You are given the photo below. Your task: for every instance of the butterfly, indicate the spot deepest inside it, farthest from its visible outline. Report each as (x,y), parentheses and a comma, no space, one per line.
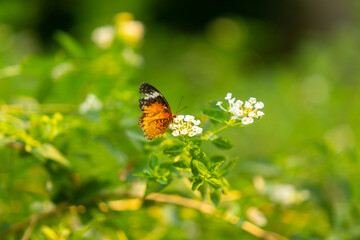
(157,115)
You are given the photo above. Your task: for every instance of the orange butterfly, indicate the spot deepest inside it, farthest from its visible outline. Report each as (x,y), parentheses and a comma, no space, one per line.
(157,115)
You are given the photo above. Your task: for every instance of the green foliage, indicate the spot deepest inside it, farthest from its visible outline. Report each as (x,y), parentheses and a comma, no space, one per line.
(222,143)
(215,114)
(75,164)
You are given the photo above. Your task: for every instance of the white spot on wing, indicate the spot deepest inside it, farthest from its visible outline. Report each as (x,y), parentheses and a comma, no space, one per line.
(152,95)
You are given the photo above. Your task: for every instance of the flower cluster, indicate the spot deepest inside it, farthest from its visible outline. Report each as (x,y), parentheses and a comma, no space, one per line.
(246,112)
(185,125)
(130,31)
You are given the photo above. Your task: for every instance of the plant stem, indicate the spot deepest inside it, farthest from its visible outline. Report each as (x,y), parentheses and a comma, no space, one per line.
(228,125)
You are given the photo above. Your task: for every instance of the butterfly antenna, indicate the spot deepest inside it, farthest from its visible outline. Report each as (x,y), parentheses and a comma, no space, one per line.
(182,97)
(182,109)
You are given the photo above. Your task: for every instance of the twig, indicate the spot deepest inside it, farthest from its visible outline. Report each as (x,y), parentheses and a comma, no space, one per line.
(33,219)
(135,203)
(209,209)
(30,228)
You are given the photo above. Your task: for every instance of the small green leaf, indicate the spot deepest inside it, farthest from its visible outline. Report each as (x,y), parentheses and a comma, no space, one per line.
(215,197)
(198,168)
(217,158)
(197,183)
(162,180)
(225,182)
(222,143)
(213,167)
(69,44)
(197,153)
(214,183)
(195,142)
(154,163)
(144,173)
(154,186)
(215,114)
(228,166)
(174,149)
(181,164)
(48,151)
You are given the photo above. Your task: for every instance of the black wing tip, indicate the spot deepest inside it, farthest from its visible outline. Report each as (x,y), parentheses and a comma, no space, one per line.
(144,86)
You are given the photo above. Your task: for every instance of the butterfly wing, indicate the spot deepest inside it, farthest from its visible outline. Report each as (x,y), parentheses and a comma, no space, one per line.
(156,116)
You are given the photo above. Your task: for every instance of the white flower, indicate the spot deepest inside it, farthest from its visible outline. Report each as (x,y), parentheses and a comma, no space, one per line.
(186,125)
(178,118)
(239,113)
(103,37)
(238,103)
(260,113)
(228,96)
(245,120)
(248,105)
(184,132)
(199,130)
(196,122)
(259,105)
(91,104)
(287,194)
(189,118)
(252,114)
(242,112)
(194,128)
(191,134)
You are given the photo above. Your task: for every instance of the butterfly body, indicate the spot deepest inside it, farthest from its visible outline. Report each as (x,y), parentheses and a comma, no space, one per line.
(157,115)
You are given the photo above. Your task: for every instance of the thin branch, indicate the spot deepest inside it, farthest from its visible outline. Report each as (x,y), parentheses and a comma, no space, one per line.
(135,203)
(30,228)
(33,219)
(209,209)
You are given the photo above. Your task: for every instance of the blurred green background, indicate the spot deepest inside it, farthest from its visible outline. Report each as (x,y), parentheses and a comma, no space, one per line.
(298,167)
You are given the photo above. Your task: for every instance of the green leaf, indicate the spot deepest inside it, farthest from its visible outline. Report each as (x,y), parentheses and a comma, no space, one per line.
(197,153)
(214,183)
(197,183)
(181,164)
(144,173)
(222,143)
(162,180)
(213,167)
(215,114)
(174,150)
(195,142)
(225,182)
(154,186)
(154,163)
(217,158)
(198,168)
(69,44)
(48,151)
(215,197)
(228,166)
